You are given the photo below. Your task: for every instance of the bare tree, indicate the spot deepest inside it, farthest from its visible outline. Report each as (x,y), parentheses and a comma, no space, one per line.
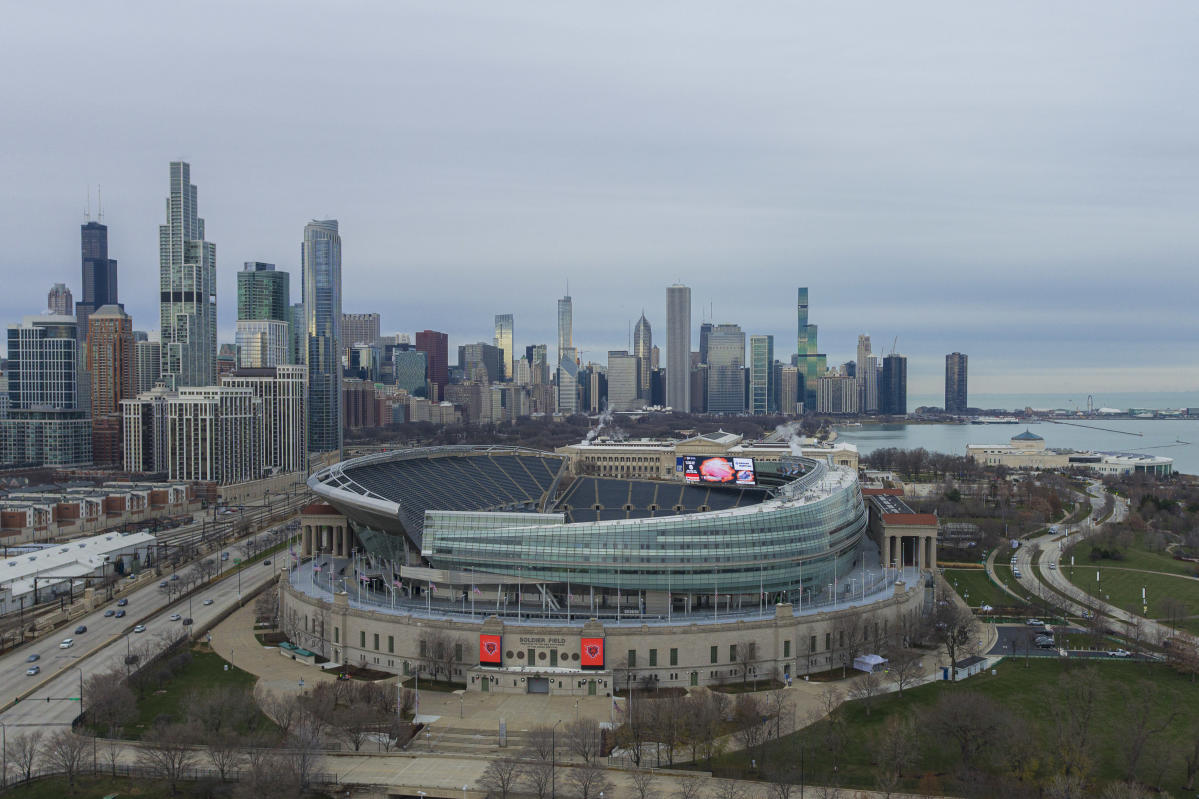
(865,688)
(168,753)
(747,716)
(63,752)
(303,752)
(643,784)
(538,776)
(206,569)
(690,788)
(1072,705)
(110,752)
(971,720)
(224,752)
(441,648)
(24,751)
(896,748)
(781,710)
(540,742)
(501,776)
(1141,723)
(728,789)
(747,656)
(583,739)
(266,606)
(953,628)
(110,702)
(1191,757)
(283,709)
(903,669)
(589,780)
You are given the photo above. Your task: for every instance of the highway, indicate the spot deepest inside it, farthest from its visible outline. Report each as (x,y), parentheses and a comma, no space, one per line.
(101,649)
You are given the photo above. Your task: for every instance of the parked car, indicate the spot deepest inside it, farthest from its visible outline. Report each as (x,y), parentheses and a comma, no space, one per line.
(67,643)
(122,603)
(33,670)
(80,630)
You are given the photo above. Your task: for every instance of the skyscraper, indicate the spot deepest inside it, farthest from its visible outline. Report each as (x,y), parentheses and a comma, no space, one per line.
(283,391)
(726,369)
(623,381)
(111,364)
(147,370)
(893,389)
(565,325)
(187,284)
(503,341)
(298,351)
(45,423)
(59,300)
(811,363)
(361,328)
(99,273)
(411,369)
(262,343)
(867,373)
(643,350)
(321,262)
(263,292)
(568,359)
(955,383)
(761,375)
(678,347)
(436,347)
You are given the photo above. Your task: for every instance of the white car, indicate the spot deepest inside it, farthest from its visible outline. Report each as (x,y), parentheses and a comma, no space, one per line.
(175,617)
(141,628)
(1035,623)
(1121,653)
(67,643)
(207,601)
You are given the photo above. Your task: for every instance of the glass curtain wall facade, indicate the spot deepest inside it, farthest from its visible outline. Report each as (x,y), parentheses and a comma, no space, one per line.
(678,347)
(761,375)
(321,259)
(503,341)
(726,369)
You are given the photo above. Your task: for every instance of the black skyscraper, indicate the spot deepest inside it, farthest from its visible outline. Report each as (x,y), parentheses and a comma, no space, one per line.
(99,273)
(893,387)
(955,383)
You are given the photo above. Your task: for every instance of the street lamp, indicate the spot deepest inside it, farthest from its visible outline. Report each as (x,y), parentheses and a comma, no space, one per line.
(554,760)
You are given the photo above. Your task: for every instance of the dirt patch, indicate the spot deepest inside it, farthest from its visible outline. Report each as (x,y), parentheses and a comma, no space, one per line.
(362,673)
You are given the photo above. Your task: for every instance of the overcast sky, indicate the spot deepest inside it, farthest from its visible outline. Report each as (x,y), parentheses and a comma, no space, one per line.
(1017,181)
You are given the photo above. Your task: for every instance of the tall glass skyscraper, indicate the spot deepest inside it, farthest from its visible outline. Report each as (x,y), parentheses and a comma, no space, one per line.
(187,286)
(320,256)
(761,375)
(811,363)
(726,369)
(643,349)
(263,292)
(678,347)
(99,273)
(955,383)
(568,359)
(893,389)
(503,340)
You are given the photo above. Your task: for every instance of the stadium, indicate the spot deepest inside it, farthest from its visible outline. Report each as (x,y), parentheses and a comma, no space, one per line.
(526,563)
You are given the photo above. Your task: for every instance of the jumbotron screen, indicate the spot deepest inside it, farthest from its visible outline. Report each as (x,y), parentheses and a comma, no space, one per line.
(718,469)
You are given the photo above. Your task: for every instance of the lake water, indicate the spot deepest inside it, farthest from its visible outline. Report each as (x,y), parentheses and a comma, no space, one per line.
(1072,402)
(1174,438)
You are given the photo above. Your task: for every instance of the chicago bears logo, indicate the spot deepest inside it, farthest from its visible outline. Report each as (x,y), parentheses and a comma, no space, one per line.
(592,650)
(491,648)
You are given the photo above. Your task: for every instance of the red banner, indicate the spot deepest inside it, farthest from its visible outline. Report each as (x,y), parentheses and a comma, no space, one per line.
(489,650)
(592,653)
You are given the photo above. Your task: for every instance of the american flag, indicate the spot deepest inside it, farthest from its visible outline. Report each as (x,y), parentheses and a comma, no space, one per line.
(316,568)
(618,710)
(475,589)
(396,583)
(364,578)
(433,587)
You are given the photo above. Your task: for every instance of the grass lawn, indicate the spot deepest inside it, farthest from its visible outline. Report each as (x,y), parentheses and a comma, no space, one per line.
(1003,573)
(981,591)
(1122,588)
(206,671)
(1134,558)
(1026,689)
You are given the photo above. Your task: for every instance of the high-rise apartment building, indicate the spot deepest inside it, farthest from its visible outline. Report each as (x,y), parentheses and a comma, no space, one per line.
(789,390)
(867,372)
(539,367)
(726,369)
(503,341)
(263,292)
(436,348)
(812,364)
(893,386)
(568,359)
(298,335)
(144,430)
(187,286)
(147,366)
(283,393)
(59,300)
(565,325)
(99,273)
(321,261)
(45,423)
(705,332)
(624,381)
(678,347)
(643,348)
(762,389)
(361,328)
(262,343)
(837,394)
(214,434)
(955,383)
(111,364)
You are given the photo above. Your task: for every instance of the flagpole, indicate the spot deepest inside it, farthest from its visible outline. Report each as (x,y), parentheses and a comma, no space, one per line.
(568,601)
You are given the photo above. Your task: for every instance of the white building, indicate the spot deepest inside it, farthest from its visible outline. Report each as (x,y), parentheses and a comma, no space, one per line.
(283,391)
(1027,451)
(214,435)
(624,381)
(59,569)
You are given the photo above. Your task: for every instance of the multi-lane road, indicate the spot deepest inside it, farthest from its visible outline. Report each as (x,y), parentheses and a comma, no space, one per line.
(108,640)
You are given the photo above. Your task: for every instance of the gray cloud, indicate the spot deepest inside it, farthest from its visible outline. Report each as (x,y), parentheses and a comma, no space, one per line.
(1017,181)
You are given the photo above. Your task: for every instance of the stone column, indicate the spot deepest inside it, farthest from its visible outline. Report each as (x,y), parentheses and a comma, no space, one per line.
(919,542)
